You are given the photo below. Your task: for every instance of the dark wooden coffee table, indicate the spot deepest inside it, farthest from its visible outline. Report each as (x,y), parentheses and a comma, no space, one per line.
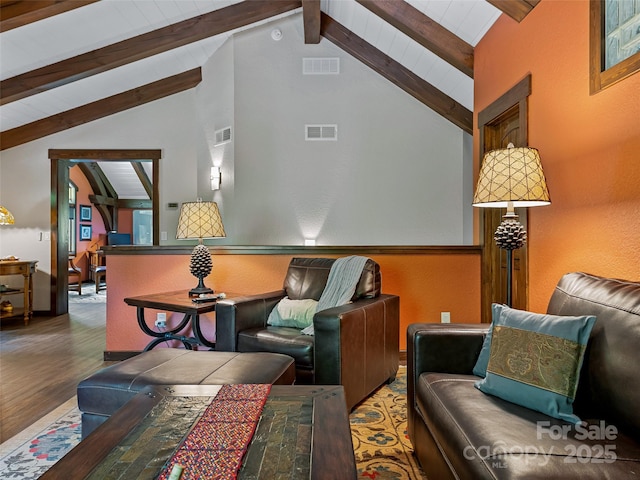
(318,446)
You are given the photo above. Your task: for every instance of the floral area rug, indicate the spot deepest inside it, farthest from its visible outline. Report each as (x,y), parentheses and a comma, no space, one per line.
(30,453)
(89,295)
(378,430)
(379,434)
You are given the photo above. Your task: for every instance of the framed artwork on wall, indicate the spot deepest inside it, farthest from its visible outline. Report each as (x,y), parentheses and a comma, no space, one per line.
(85,232)
(614,41)
(85,213)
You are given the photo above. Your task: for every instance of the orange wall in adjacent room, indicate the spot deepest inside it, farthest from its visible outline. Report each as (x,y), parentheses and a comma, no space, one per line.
(427,285)
(589,144)
(97,225)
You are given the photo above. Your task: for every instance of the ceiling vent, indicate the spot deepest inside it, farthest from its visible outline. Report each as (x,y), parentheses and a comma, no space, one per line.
(320,66)
(321,132)
(223,136)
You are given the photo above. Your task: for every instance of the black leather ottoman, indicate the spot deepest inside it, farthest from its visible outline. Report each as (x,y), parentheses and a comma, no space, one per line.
(104,392)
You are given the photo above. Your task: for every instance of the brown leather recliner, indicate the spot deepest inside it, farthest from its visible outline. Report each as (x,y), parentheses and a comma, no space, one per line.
(355,345)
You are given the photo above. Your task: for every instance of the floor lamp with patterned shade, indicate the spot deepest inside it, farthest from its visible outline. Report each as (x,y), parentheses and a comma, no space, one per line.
(511,177)
(200,220)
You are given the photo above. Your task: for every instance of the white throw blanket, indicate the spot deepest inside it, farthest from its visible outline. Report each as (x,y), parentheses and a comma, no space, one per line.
(341,284)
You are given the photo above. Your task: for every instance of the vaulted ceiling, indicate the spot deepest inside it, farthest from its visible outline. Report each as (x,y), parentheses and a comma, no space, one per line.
(64,63)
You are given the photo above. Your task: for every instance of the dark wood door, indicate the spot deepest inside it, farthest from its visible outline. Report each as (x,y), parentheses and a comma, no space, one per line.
(503,122)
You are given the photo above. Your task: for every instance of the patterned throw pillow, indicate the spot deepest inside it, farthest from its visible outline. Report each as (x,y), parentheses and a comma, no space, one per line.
(535,360)
(293,313)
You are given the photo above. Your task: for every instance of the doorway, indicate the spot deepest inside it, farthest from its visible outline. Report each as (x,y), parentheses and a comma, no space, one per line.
(60,163)
(501,123)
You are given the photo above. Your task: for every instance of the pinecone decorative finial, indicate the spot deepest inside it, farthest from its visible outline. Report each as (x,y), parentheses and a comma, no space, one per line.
(201,264)
(510,234)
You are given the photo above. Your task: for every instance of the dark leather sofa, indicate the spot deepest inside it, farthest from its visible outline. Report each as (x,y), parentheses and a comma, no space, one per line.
(355,345)
(459,432)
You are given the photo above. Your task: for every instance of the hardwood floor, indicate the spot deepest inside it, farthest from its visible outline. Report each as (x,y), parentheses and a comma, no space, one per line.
(42,363)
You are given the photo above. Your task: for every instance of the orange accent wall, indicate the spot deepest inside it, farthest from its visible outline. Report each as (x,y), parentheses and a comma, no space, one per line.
(589,145)
(427,285)
(97,225)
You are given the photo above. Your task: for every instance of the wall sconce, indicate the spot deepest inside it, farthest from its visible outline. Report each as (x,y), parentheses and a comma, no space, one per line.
(216,178)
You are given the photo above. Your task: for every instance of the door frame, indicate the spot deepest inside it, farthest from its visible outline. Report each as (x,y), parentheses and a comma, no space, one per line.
(514,99)
(61,159)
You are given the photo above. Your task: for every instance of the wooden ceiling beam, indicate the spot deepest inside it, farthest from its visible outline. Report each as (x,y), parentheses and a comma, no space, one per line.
(397,74)
(143,177)
(16,13)
(135,203)
(311,21)
(143,46)
(516,9)
(427,32)
(99,109)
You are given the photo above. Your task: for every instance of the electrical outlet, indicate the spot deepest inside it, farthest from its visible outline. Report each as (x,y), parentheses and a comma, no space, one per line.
(445,317)
(161,320)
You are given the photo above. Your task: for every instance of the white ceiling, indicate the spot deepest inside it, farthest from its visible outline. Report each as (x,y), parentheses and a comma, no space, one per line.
(124,179)
(108,21)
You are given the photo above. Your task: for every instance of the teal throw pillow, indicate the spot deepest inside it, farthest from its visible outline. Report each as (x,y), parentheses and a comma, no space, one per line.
(535,360)
(480,368)
(293,313)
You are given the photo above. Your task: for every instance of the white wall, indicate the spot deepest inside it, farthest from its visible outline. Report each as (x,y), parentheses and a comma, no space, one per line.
(394,177)
(25,185)
(399,174)
(215,107)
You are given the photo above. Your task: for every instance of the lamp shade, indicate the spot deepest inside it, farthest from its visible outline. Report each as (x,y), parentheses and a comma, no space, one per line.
(5,217)
(512,174)
(200,220)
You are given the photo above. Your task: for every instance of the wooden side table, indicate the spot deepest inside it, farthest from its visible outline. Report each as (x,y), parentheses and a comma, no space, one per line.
(180,302)
(26,268)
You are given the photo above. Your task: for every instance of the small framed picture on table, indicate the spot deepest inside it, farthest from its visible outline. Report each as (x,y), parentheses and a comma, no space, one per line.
(85,232)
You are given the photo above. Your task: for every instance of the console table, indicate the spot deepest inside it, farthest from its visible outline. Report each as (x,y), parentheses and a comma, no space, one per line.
(303,433)
(26,268)
(180,302)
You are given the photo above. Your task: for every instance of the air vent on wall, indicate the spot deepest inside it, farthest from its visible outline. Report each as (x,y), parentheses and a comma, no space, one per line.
(223,136)
(321,132)
(320,66)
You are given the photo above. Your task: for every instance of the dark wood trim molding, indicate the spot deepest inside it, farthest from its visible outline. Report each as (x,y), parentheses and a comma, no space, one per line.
(311,21)
(514,99)
(599,76)
(397,74)
(99,109)
(516,9)
(60,162)
(515,94)
(142,46)
(296,250)
(427,32)
(113,154)
(14,14)
(119,355)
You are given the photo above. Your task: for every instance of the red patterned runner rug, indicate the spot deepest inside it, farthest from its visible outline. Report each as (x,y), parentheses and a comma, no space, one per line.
(216,444)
